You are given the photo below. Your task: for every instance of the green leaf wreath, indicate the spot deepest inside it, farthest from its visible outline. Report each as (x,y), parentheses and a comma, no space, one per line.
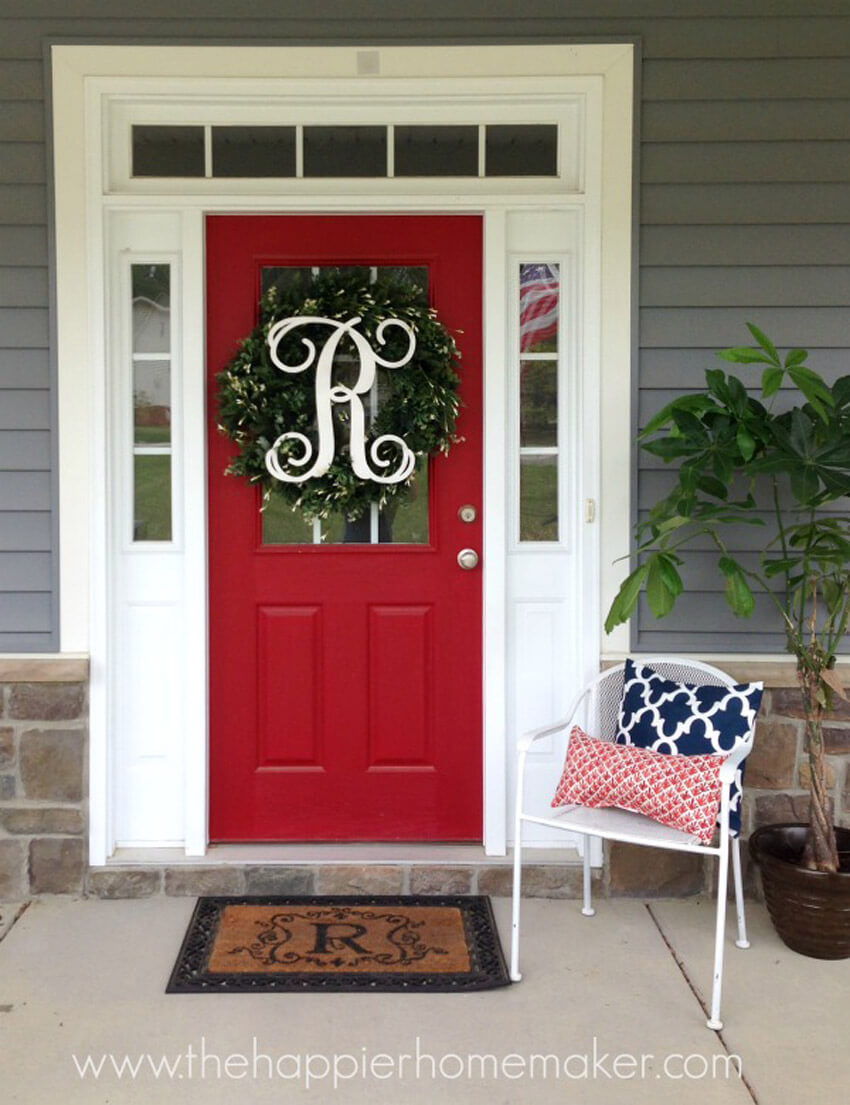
(419,402)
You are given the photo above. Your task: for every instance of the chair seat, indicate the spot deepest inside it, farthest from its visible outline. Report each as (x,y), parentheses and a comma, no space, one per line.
(633,828)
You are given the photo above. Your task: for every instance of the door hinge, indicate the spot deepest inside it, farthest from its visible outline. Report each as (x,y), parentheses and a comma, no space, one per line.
(590,510)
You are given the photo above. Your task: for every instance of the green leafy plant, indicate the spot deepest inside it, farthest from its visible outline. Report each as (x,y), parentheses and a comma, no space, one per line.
(759,461)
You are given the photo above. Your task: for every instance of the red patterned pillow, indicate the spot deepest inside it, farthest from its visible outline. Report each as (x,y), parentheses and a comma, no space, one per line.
(680,791)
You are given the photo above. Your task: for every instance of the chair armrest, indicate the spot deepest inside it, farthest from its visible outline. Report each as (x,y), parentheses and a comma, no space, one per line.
(527,739)
(732,762)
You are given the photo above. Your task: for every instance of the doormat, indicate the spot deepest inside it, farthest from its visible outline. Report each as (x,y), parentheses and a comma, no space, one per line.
(377,944)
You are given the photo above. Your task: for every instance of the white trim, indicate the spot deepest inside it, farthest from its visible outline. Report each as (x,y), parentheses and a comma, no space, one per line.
(83,80)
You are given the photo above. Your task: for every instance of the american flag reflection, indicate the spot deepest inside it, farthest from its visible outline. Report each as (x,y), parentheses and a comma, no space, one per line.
(538,305)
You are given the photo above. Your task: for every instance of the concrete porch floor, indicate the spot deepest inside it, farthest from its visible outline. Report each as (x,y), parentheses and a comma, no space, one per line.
(86,978)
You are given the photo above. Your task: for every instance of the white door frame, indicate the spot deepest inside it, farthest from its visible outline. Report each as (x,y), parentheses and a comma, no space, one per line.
(89,200)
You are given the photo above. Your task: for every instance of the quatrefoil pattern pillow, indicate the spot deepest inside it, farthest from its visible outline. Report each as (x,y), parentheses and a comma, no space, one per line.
(688,719)
(682,792)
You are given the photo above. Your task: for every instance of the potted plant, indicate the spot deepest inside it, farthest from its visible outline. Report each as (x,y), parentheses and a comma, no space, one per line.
(762,460)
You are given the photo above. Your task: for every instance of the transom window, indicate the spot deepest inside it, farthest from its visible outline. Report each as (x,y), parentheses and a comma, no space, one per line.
(371,151)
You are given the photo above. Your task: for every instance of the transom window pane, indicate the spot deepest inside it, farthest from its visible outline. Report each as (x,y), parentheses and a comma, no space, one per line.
(253,151)
(436,151)
(399,522)
(345,151)
(522,150)
(168,151)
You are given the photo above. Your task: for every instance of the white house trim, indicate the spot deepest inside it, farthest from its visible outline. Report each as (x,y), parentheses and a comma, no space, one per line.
(87,100)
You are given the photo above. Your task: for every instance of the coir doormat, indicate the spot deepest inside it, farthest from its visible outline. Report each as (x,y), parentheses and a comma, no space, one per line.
(375,944)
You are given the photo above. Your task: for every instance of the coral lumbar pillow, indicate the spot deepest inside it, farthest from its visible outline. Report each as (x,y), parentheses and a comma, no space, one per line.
(684,718)
(682,792)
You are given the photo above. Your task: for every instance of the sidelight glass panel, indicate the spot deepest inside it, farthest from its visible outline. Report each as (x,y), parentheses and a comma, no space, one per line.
(151,379)
(539,296)
(538,515)
(151,401)
(538,403)
(152,497)
(537,399)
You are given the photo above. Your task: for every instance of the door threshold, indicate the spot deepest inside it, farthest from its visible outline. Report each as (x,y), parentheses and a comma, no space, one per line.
(319,854)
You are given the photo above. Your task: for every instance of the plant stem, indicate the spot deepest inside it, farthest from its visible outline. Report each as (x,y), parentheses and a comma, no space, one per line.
(821,852)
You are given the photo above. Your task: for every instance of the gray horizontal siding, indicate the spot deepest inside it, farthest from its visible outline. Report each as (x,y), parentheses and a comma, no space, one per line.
(24,368)
(23,287)
(23,245)
(747,121)
(25,572)
(25,531)
(24,409)
(24,450)
(751,203)
(25,491)
(23,328)
(27,642)
(744,162)
(727,286)
(744,245)
(744,213)
(23,204)
(23,162)
(680,327)
(28,611)
(685,368)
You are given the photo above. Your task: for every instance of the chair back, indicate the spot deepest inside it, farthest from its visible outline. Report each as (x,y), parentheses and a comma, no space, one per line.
(603,704)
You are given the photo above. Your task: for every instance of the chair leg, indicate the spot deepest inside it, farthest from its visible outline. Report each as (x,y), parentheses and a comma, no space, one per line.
(735,845)
(515,904)
(714,1022)
(587,908)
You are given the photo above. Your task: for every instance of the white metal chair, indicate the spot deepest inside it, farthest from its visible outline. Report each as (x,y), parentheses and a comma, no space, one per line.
(596,710)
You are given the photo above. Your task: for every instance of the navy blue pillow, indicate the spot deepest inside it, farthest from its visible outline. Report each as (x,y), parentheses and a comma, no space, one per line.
(687,719)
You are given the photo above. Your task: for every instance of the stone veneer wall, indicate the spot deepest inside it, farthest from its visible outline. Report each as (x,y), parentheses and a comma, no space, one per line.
(43,776)
(43,811)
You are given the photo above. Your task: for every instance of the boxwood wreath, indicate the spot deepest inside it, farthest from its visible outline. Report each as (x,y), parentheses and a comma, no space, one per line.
(258,402)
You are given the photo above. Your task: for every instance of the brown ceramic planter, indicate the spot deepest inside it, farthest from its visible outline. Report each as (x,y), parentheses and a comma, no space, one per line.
(810,910)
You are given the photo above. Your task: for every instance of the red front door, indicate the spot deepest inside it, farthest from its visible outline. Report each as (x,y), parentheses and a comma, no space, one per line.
(345,665)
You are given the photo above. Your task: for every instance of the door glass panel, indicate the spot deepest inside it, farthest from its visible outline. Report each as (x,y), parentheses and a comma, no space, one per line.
(398,523)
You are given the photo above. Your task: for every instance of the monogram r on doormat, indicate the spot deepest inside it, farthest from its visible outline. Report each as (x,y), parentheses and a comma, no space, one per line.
(444,944)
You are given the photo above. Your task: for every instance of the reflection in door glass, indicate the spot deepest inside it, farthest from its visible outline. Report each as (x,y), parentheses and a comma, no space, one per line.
(397,523)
